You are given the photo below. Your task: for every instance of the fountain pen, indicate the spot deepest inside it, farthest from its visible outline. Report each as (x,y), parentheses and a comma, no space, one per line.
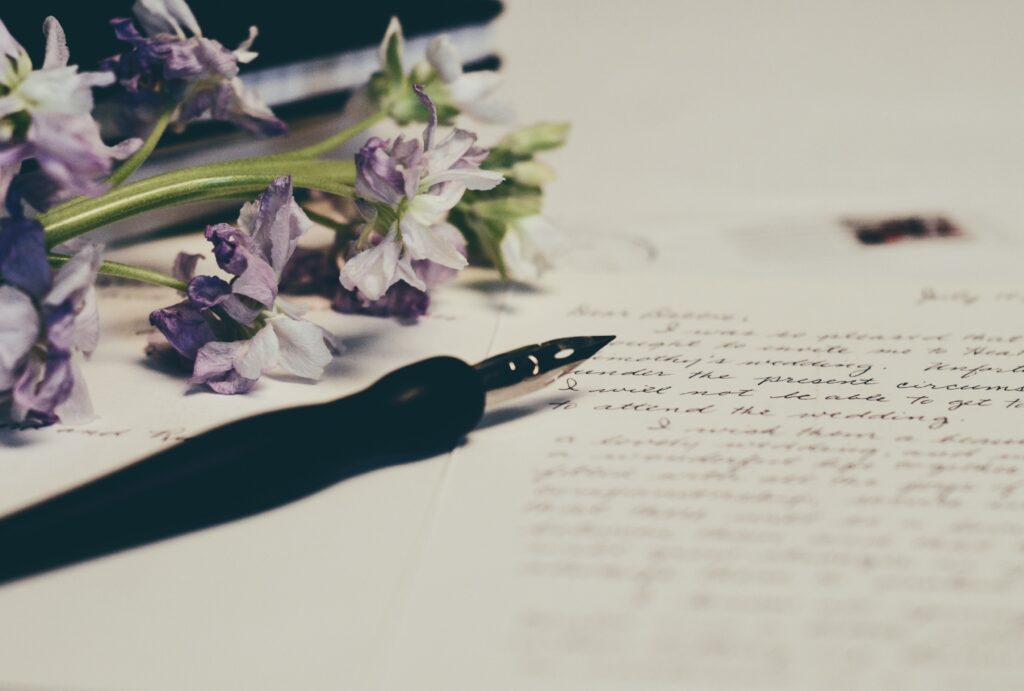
(262,462)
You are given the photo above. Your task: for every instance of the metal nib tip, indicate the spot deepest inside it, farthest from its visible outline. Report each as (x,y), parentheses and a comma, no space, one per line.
(520,371)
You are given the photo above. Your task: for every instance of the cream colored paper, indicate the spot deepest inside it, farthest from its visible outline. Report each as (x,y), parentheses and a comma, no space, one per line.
(758,485)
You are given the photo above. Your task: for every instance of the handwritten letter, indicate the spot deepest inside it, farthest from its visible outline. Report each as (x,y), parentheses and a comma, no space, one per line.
(752,487)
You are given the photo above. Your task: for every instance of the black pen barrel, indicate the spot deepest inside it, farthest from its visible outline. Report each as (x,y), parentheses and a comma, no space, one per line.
(245,467)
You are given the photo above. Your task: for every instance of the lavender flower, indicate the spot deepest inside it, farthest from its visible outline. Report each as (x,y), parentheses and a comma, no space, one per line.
(171,61)
(407,189)
(45,115)
(234,332)
(46,319)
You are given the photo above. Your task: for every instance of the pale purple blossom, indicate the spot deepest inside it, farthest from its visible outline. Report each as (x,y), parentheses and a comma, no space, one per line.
(413,186)
(47,320)
(56,103)
(170,61)
(235,331)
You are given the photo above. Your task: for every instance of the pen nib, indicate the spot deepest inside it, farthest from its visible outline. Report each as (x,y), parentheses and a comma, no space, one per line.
(523,370)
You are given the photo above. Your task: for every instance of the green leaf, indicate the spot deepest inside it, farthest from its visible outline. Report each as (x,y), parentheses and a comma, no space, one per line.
(487,234)
(542,136)
(533,173)
(506,209)
(393,52)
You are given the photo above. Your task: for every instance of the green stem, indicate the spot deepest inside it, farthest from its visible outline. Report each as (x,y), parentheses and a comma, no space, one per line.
(140,156)
(120,270)
(69,208)
(336,140)
(217,181)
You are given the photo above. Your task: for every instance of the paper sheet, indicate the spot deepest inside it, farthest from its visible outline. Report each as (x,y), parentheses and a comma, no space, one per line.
(757,485)
(318,594)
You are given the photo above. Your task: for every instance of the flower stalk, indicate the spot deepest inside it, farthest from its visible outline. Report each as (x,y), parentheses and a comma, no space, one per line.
(232,180)
(119,270)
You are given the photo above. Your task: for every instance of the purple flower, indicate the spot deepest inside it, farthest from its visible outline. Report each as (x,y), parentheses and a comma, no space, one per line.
(234,332)
(171,61)
(407,189)
(46,318)
(45,115)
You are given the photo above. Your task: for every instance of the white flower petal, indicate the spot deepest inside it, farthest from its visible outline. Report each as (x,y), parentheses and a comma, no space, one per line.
(216,357)
(87,324)
(444,57)
(56,44)
(404,271)
(372,271)
(424,243)
(429,209)
(257,355)
(77,409)
(470,178)
(301,347)
(453,147)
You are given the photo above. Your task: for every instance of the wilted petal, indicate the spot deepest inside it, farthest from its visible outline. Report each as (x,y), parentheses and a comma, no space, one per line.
(87,324)
(184,327)
(215,367)
(433,274)
(401,300)
(77,408)
(19,329)
(23,256)
(372,271)
(449,150)
(377,175)
(301,347)
(75,279)
(207,291)
(185,266)
(233,102)
(257,355)
(42,387)
(423,243)
(275,222)
(166,16)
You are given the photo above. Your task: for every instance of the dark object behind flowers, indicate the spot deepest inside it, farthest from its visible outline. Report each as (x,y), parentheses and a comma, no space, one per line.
(321,34)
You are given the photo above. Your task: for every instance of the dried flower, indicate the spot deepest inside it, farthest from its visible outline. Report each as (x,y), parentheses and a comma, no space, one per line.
(171,62)
(407,189)
(234,332)
(45,114)
(46,319)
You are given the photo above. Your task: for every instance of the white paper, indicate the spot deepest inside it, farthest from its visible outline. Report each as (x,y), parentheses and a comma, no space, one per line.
(757,485)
